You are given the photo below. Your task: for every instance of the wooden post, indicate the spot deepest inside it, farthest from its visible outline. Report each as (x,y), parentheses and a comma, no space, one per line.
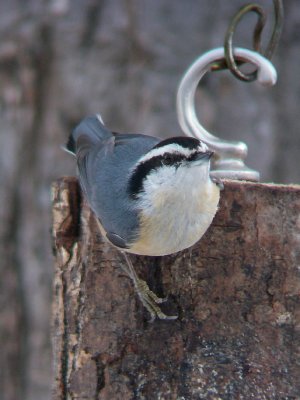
(236,292)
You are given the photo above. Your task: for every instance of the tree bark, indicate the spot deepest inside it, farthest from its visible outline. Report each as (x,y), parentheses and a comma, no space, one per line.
(61,60)
(236,293)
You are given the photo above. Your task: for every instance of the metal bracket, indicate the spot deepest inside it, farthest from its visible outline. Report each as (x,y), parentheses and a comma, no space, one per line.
(228,161)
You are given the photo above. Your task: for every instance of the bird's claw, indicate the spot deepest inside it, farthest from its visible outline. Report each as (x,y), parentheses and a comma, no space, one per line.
(218,182)
(150,301)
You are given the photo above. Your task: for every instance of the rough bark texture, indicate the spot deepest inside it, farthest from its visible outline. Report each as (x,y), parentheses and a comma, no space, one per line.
(237,294)
(61,60)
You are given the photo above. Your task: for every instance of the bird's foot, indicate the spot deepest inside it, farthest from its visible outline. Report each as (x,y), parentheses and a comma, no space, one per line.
(218,182)
(150,301)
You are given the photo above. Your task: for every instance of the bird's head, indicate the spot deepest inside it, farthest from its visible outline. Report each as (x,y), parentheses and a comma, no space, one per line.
(172,162)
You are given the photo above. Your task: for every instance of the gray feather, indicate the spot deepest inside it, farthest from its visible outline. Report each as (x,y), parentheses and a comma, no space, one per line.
(105,161)
(116,240)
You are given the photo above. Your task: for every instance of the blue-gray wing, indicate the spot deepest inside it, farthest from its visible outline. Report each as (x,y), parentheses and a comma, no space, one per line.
(117,240)
(105,160)
(89,137)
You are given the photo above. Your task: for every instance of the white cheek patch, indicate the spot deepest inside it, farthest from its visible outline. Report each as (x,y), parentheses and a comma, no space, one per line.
(178,179)
(161,188)
(160,178)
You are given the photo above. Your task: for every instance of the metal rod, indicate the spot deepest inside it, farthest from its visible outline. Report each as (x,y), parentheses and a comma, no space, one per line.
(230,62)
(228,161)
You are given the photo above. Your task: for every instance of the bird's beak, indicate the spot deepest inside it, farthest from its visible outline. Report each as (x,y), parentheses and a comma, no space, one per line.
(209,154)
(204,156)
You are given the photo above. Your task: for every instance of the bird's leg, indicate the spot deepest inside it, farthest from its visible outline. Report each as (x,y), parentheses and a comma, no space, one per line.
(149,299)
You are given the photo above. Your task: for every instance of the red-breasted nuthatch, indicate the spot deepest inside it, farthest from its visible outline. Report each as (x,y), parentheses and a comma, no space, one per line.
(151,196)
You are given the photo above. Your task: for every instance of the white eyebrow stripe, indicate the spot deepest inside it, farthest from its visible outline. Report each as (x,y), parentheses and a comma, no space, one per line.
(171,148)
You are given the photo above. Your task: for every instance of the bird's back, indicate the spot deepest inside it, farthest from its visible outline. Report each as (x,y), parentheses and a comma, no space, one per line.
(105,161)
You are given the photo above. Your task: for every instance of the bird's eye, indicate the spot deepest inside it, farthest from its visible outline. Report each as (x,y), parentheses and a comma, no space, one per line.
(194,156)
(168,160)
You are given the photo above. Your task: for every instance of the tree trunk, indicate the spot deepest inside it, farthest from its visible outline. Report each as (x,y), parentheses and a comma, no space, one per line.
(236,293)
(61,60)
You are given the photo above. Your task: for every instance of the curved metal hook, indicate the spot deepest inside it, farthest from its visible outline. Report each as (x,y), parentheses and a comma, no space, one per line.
(228,161)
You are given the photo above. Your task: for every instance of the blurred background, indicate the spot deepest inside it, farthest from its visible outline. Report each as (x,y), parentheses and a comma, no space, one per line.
(61,60)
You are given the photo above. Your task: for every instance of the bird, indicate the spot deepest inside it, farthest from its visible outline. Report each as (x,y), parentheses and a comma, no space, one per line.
(150,196)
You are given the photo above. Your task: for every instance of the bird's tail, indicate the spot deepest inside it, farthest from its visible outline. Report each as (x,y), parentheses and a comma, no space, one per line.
(88,133)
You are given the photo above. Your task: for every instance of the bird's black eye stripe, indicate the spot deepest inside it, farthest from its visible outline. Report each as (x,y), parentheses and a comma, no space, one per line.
(144,169)
(173,158)
(194,156)
(135,185)
(168,160)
